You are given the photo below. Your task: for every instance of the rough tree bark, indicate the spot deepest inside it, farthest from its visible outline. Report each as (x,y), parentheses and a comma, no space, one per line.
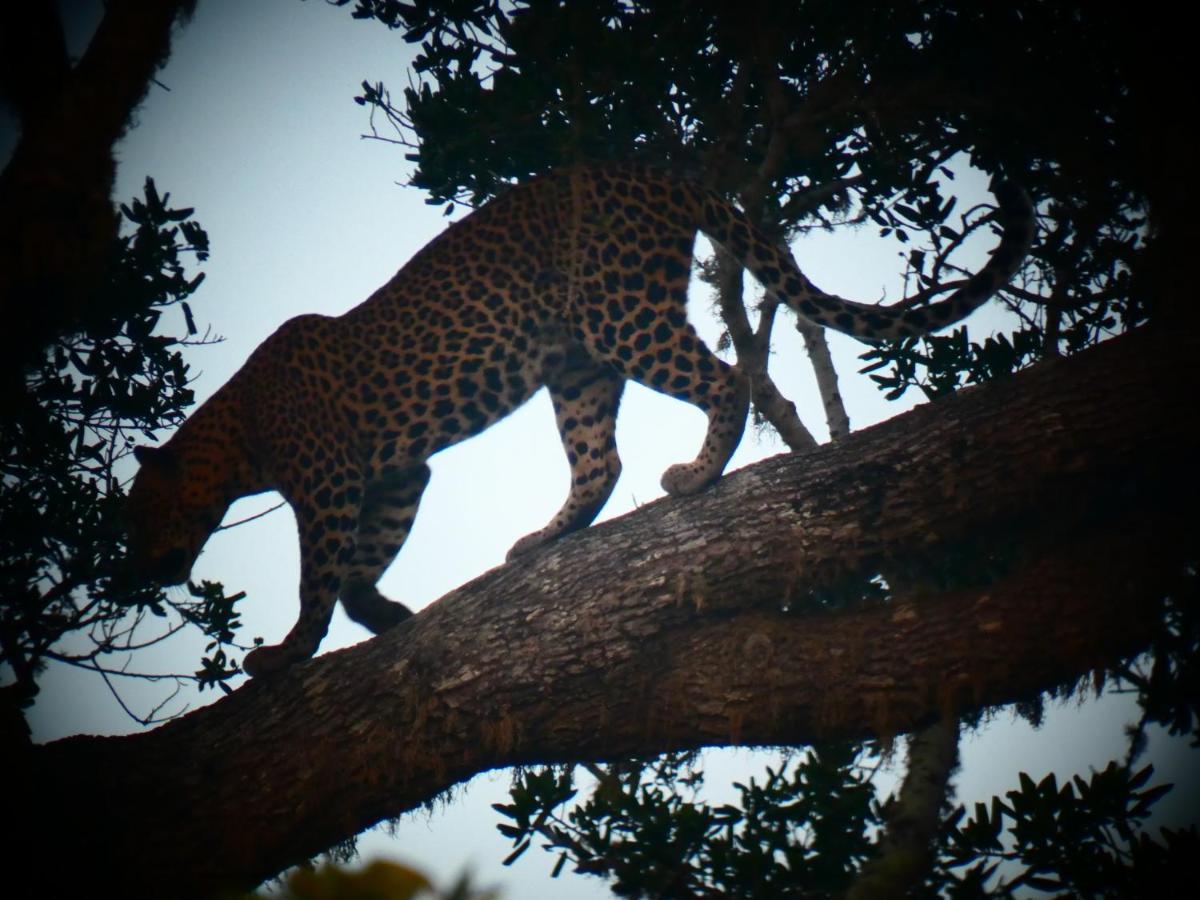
(725,618)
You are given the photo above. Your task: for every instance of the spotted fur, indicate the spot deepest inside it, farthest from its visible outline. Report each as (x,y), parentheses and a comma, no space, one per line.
(576,281)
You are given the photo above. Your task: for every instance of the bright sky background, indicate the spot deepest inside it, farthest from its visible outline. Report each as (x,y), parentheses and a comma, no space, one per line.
(257,130)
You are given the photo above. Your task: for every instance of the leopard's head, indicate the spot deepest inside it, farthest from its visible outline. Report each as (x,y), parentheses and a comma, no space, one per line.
(172,508)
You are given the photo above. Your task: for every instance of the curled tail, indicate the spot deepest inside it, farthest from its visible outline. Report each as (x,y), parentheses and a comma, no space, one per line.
(776,270)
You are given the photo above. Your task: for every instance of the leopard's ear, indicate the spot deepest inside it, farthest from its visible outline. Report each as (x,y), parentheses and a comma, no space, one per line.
(147,456)
(155,458)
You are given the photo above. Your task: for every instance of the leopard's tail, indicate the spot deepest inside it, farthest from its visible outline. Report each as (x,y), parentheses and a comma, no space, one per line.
(775,268)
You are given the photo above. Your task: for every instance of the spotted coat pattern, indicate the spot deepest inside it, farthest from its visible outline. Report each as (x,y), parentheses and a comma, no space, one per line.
(576,281)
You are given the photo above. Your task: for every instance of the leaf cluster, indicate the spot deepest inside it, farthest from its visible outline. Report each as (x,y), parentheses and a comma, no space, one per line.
(804,829)
(1078,290)
(807,830)
(941,364)
(66,594)
(1080,839)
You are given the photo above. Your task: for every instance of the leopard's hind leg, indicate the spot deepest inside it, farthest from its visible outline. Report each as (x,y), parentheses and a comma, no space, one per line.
(585,400)
(646,337)
(723,394)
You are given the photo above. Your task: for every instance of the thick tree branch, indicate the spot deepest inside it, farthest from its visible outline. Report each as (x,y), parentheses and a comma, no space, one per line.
(723,618)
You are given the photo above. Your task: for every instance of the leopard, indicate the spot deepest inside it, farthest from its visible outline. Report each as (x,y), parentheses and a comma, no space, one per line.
(575,281)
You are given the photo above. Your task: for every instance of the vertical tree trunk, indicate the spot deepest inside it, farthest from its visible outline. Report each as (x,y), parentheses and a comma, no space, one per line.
(57,222)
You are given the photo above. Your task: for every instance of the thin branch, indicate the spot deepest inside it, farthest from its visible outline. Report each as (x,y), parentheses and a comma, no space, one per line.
(753,348)
(152,718)
(123,673)
(259,515)
(836,418)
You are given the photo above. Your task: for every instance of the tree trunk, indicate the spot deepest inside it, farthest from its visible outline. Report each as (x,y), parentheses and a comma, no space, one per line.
(58,226)
(1025,530)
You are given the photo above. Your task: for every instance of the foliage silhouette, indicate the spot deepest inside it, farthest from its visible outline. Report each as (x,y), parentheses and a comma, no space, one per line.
(805,829)
(68,597)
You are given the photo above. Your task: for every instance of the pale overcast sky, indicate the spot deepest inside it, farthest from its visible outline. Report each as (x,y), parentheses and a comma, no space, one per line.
(255,127)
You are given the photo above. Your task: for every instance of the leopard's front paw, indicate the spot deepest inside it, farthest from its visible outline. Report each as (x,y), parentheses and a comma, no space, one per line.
(268,661)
